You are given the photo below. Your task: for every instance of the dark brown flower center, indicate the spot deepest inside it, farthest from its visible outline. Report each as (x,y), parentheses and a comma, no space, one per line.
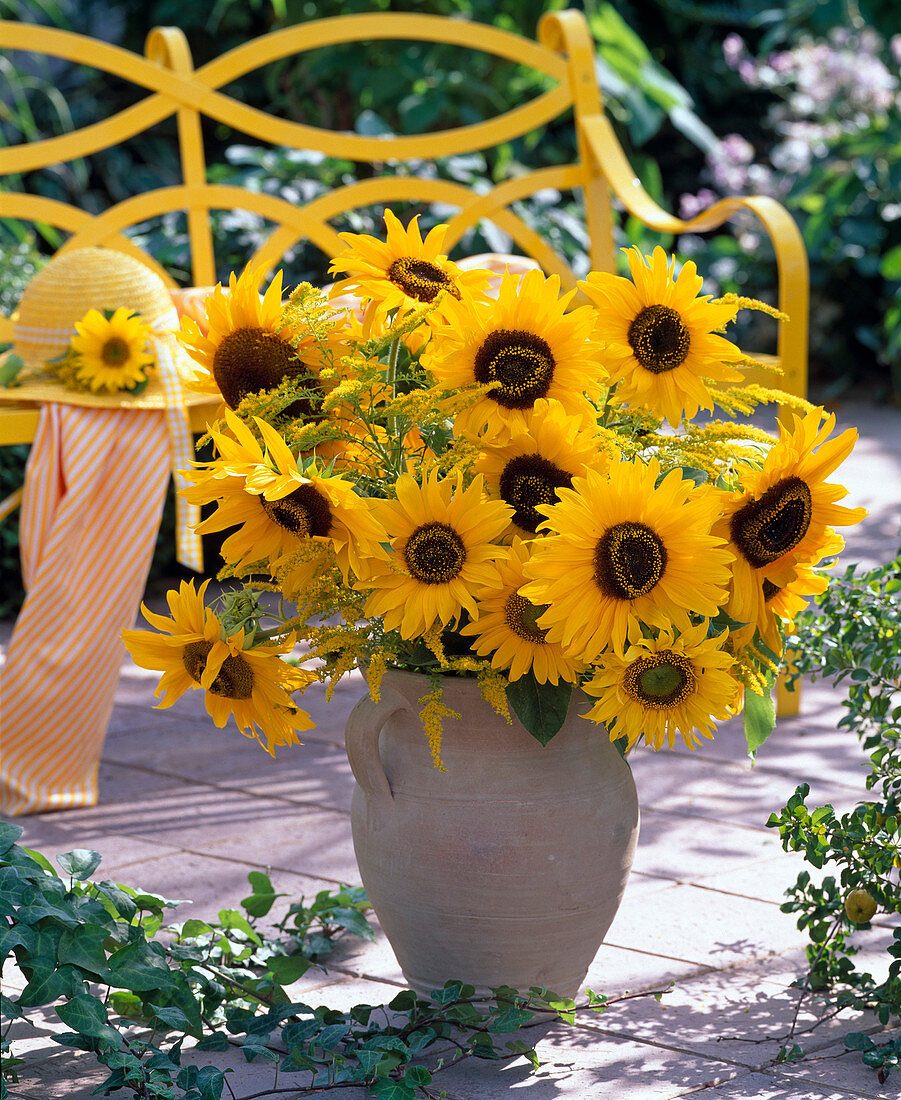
(765,529)
(421,279)
(434,553)
(235,677)
(659,339)
(629,560)
(770,590)
(530,480)
(661,680)
(115,352)
(252,360)
(521,362)
(521,616)
(305,512)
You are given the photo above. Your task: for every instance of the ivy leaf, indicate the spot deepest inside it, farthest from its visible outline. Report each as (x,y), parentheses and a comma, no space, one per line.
(79,863)
(138,968)
(232,921)
(542,708)
(121,904)
(760,718)
(386,1089)
(9,834)
(170,1015)
(83,947)
(86,1015)
(288,968)
(352,920)
(216,1041)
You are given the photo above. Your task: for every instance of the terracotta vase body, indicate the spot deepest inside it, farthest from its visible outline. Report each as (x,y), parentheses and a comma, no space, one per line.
(508,868)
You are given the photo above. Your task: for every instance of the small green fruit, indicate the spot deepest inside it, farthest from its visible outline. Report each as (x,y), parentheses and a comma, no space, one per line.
(860,905)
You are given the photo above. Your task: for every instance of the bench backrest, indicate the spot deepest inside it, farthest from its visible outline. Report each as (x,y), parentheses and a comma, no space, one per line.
(564,52)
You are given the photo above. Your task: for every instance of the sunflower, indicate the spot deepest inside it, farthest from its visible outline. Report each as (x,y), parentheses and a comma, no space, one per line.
(245,349)
(526,342)
(659,336)
(442,541)
(782,518)
(401,274)
(249,683)
(623,549)
(553,448)
(507,627)
(278,514)
(112,352)
(663,686)
(779,607)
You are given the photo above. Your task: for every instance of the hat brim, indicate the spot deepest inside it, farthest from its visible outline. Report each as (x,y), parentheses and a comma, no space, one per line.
(39,389)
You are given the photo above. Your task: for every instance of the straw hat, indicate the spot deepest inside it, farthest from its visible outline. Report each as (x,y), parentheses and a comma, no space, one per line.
(61,294)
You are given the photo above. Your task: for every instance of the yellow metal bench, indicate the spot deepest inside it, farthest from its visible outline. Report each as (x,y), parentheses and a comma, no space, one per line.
(564,53)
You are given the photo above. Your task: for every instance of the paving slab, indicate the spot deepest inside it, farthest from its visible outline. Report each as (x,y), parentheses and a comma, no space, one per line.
(703,927)
(725,792)
(316,773)
(761,1086)
(680,848)
(742,1016)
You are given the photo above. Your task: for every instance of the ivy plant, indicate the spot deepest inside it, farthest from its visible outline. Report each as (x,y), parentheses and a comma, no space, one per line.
(132,990)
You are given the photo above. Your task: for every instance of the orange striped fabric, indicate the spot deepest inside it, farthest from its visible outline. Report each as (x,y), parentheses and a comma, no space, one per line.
(94,491)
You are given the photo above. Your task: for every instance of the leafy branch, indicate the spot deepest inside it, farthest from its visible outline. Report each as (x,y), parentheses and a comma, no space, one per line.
(852,638)
(132,991)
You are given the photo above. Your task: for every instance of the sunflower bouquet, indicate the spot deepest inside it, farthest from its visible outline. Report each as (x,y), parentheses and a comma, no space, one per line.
(436,468)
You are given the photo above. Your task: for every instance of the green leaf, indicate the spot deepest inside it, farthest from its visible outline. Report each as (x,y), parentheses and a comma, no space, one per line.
(14,936)
(353,921)
(258,905)
(86,1015)
(890,264)
(288,968)
(856,1040)
(417,1077)
(760,719)
(49,986)
(138,968)
(261,883)
(42,861)
(83,947)
(217,1041)
(170,1015)
(542,708)
(232,920)
(9,834)
(689,473)
(10,368)
(79,863)
(386,1089)
(195,927)
(511,1020)
(120,902)
(329,1037)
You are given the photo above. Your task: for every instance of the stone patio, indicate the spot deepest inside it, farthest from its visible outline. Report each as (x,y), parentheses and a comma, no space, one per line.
(187,810)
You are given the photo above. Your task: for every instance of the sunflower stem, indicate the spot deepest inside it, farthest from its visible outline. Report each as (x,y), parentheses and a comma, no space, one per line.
(605,415)
(264,635)
(391,381)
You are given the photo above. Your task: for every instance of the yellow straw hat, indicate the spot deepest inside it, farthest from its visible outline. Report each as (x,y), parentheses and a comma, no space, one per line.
(60,294)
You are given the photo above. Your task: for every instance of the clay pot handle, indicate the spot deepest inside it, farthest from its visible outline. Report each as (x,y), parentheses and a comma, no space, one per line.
(361,738)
